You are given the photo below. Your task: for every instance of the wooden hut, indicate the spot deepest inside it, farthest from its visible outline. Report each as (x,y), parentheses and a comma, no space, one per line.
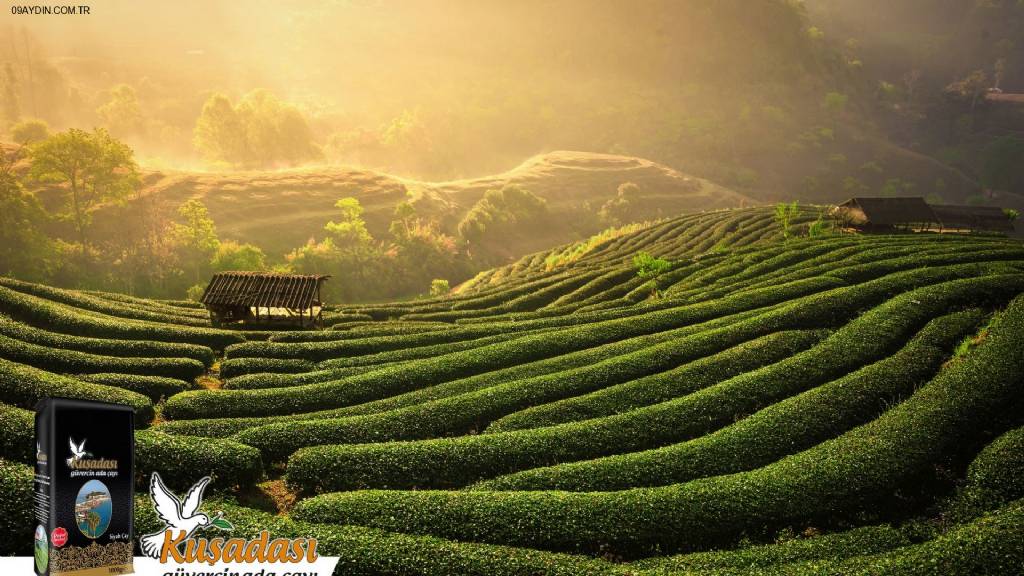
(884,214)
(973,218)
(265,298)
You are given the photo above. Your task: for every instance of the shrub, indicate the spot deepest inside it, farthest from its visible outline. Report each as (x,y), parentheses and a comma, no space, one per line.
(104,346)
(514,351)
(658,387)
(474,410)
(58,360)
(332,318)
(837,546)
(241,366)
(994,478)
(94,304)
(462,460)
(445,390)
(154,387)
(417,352)
(463,413)
(457,461)
(439,287)
(40,312)
(783,428)
(845,473)
(17,434)
(360,329)
(16,518)
(369,552)
(229,463)
(282,380)
(23,386)
(525,302)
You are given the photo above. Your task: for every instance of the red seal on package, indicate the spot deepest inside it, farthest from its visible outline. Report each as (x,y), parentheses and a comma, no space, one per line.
(59,537)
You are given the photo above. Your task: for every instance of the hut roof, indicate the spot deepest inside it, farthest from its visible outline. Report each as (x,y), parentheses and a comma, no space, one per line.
(263,289)
(890,211)
(973,217)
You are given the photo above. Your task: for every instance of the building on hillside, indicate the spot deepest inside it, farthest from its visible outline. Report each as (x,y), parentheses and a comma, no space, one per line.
(264,298)
(1001,97)
(885,214)
(973,218)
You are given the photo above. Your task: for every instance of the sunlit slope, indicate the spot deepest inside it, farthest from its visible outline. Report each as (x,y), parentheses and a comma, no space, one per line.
(812,399)
(279,211)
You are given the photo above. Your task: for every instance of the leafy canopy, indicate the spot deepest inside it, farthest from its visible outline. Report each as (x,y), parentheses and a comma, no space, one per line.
(92,167)
(260,131)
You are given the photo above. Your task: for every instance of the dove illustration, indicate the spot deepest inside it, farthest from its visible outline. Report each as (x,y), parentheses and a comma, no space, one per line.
(177,514)
(77,451)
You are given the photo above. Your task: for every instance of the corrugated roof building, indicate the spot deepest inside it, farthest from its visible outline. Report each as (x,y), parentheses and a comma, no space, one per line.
(871,212)
(976,218)
(264,297)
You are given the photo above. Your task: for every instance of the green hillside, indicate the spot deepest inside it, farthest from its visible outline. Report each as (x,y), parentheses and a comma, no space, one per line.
(760,401)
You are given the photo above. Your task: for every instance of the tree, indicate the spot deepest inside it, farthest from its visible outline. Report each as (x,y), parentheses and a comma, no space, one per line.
(92,166)
(349,232)
(784,214)
(260,131)
(23,246)
(196,237)
(405,217)
(348,254)
(970,88)
(438,287)
(30,130)
(621,209)
(1011,214)
(220,134)
(499,213)
(231,255)
(818,228)
(650,268)
(122,113)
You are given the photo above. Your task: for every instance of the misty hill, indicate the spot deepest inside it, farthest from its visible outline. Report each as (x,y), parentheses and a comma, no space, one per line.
(278,211)
(733,91)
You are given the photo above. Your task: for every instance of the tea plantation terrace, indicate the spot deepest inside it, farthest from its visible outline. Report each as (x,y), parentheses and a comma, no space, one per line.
(765,401)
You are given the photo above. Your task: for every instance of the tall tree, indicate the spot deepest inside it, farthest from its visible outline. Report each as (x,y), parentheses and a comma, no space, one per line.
(22,244)
(92,168)
(122,113)
(349,232)
(970,88)
(260,131)
(196,237)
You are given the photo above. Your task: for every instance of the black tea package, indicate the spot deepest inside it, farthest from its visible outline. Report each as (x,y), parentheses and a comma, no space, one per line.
(84,491)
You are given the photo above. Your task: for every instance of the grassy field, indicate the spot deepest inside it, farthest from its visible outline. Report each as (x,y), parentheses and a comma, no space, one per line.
(838,404)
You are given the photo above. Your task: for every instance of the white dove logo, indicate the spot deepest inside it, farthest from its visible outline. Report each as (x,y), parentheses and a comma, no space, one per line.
(77,452)
(178,515)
